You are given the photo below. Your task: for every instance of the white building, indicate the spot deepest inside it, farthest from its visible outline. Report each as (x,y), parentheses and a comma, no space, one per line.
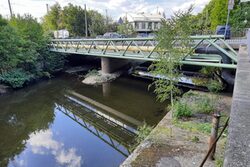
(145,22)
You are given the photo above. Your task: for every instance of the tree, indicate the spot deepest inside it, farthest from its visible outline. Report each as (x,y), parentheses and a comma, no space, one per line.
(174,43)
(125,28)
(240,16)
(219,13)
(73,19)
(23,52)
(96,24)
(52,20)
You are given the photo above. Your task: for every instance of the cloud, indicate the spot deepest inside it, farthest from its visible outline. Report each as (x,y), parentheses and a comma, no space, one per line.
(115,8)
(43,143)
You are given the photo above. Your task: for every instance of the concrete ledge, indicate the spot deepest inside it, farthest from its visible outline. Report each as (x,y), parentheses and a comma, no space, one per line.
(238,145)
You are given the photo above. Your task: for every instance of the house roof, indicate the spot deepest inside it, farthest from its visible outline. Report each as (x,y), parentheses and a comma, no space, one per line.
(145,17)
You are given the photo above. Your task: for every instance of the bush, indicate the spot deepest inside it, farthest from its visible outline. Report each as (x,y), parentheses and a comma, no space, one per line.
(143,132)
(182,110)
(214,86)
(15,78)
(205,106)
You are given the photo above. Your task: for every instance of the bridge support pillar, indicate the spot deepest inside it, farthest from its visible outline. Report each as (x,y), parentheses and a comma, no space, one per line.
(109,65)
(106,65)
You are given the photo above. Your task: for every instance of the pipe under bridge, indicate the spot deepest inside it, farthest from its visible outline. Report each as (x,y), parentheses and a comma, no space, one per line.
(147,49)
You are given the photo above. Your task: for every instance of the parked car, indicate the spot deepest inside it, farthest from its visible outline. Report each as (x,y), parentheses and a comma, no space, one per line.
(220,30)
(111,35)
(142,35)
(124,36)
(99,36)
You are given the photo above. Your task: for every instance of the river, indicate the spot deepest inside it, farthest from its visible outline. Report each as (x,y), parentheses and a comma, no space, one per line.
(62,122)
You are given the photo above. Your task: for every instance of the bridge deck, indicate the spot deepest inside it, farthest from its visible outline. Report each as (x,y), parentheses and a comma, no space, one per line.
(238,148)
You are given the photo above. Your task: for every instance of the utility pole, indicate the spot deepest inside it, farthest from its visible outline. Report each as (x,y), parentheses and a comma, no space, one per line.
(106,16)
(11,14)
(47,7)
(230,7)
(86,22)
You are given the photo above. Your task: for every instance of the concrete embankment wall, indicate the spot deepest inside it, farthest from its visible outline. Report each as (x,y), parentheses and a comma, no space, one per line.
(238,145)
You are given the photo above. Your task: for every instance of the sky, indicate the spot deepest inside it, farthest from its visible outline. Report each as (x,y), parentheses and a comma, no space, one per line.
(115,8)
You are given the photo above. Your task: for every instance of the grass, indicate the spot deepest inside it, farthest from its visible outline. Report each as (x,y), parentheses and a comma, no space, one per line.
(199,102)
(194,126)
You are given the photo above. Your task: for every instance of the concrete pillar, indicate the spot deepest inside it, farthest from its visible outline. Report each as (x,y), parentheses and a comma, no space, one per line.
(109,65)
(106,65)
(248,42)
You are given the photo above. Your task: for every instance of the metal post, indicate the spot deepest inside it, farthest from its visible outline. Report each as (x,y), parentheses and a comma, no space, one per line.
(228,14)
(214,133)
(11,14)
(248,42)
(86,22)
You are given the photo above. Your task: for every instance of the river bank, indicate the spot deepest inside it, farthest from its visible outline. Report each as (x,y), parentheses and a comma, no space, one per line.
(181,143)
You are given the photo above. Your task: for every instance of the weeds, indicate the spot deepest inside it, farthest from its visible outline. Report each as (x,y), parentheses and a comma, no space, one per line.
(182,110)
(143,132)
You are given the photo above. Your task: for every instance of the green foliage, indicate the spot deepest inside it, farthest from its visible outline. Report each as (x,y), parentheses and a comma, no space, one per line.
(125,28)
(143,132)
(214,86)
(182,110)
(219,13)
(219,162)
(240,16)
(173,37)
(194,126)
(23,52)
(72,18)
(15,78)
(215,13)
(205,105)
(195,139)
(52,20)
(199,102)
(3,22)
(97,23)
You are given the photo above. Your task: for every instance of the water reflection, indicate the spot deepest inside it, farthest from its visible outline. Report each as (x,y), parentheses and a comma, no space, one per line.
(43,143)
(109,129)
(106,89)
(45,125)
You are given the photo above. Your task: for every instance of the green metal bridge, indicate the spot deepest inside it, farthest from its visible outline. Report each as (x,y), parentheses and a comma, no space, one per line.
(147,49)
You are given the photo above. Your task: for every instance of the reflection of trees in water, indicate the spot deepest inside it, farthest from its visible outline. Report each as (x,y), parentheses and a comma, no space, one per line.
(19,118)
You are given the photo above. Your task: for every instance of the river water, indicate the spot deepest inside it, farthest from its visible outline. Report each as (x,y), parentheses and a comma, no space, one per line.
(62,122)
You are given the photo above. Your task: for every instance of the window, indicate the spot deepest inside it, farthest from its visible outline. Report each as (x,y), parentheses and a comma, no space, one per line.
(137,25)
(150,25)
(155,25)
(143,25)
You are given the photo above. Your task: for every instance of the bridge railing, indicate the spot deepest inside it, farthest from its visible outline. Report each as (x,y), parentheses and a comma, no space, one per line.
(147,49)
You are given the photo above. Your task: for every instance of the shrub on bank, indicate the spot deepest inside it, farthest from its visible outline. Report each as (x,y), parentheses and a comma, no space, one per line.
(16,78)
(23,52)
(182,110)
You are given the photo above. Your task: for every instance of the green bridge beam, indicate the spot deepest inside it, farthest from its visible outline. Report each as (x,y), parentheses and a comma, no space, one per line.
(146,49)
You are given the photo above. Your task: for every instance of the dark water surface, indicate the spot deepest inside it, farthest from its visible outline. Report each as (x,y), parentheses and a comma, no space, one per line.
(62,122)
